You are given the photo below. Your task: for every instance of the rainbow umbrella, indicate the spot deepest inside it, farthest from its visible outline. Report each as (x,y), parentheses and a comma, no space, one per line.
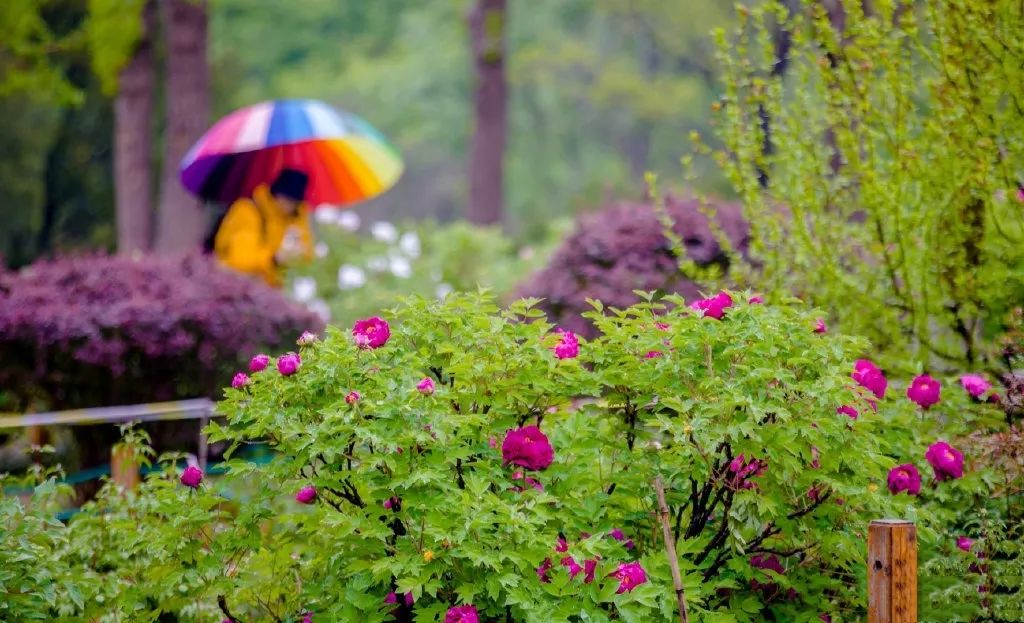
(346,158)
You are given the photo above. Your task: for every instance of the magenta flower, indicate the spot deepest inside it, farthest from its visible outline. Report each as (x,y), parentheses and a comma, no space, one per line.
(574,568)
(1020,194)
(353,397)
(713,307)
(904,478)
(568,347)
(562,545)
(620,536)
(924,390)
(306,495)
(289,364)
(964,543)
(426,386)
(661,326)
(654,354)
(371,332)
(743,470)
(975,384)
(946,460)
(815,458)
(757,299)
(848,411)
(259,362)
(392,598)
(307,338)
(542,571)
(240,380)
(192,476)
(820,326)
(307,618)
(462,614)
(770,562)
(589,567)
(393,503)
(868,376)
(527,482)
(527,447)
(630,575)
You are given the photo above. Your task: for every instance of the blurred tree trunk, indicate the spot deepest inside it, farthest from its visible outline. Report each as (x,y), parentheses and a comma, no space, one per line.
(180,219)
(133,112)
(490,112)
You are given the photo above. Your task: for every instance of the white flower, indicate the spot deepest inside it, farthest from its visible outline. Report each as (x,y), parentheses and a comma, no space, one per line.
(325,215)
(350,277)
(384,231)
(377,264)
(320,308)
(304,289)
(443,290)
(409,243)
(321,249)
(347,220)
(400,267)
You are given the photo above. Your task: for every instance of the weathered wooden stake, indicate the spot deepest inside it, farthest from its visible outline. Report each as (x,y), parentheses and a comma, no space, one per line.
(124,467)
(892,571)
(670,550)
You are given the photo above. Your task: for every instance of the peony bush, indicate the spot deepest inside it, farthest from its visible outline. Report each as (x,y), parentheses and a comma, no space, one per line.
(517,484)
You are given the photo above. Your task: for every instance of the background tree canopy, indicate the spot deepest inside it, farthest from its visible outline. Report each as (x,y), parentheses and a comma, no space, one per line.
(600,91)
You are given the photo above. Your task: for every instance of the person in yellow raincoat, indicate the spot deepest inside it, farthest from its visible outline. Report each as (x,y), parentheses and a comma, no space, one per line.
(262,234)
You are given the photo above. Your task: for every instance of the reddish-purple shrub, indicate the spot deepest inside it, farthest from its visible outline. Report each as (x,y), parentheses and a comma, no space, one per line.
(623,248)
(91,331)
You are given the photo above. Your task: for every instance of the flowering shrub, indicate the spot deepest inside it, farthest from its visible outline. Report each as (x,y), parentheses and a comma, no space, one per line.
(520,488)
(618,250)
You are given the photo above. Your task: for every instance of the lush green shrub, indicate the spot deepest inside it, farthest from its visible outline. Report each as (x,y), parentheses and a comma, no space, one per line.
(878,153)
(406,442)
(363,269)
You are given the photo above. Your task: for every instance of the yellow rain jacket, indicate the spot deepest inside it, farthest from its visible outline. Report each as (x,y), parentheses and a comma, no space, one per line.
(252,231)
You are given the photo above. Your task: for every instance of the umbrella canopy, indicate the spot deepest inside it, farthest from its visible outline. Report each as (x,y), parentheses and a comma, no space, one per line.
(346,158)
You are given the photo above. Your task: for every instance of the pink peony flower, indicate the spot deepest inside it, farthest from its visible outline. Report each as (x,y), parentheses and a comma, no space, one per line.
(542,571)
(848,411)
(353,397)
(527,482)
(661,326)
(870,377)
(527,447)
(426,386)
(904,478)
(924,390)
(306,338)
(1020,194)
(713,307)
(462,614)
(492,442)
(964,543)
(975,384)
(630,575)
(307,618)
(306,495)
(259,362)
(946,460)
(393,503)
(820,326)
(562,546)
(192,476)
(756,299)
(825,618)
(589,567)
(574,568)
(392,598)
(619,536)
(768,563)
(654,354)
(289,364)
(568,347)
(371,332)
(240,380)
(815,458)
(743,470)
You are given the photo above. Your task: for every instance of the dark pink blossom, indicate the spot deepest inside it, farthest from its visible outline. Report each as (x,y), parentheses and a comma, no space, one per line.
(820,326)
(307,338)
(946,460)
(868,376)
(713,307)
(620,536)
(743,470)
(259,362)
(462,614)
(757,299)
(393,503)
(589,568)
(562,545)
(543,569)
(904,478)
(289,364)
(653,354)
(426,386)
(240,380)
(661,326)
(192,476)
(306,495)
(815,458)
(574,568)
(975,384)
(353,397)
(964,543)
(527,447)
(371,332)
(848,411)
(924,390)
(526,482)
(568,347)
(630,575)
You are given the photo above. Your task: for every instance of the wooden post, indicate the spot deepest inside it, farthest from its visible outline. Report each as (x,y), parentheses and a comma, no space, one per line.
(892,571)
(670,550)
(124,468)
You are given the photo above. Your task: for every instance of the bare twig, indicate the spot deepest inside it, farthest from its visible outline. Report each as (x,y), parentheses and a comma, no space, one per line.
(670,550)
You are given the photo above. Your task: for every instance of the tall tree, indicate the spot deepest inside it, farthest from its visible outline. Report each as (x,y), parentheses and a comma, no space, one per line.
(487,20)
(180,220)
(133,111)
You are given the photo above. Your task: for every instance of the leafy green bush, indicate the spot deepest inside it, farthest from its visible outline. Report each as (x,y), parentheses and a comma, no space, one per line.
(361,270)
(407,463)
(878,153)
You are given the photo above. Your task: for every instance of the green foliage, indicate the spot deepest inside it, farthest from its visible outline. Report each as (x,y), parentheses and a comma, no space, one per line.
(360,273)
(894,155)
(113,30)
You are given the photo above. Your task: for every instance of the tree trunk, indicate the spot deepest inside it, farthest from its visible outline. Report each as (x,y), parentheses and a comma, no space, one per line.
(133,113)
(490,103)
(180,217)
